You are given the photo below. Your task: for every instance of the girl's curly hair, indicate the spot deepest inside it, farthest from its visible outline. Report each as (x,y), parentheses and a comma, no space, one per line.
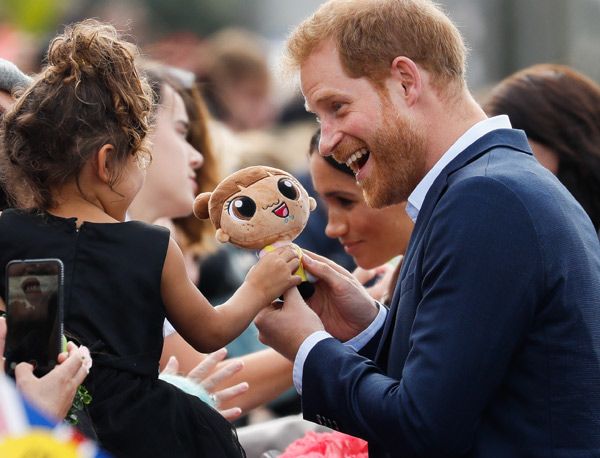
(88,95)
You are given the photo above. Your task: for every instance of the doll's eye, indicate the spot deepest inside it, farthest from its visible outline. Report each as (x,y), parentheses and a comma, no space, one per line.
(242,208)
(288,189)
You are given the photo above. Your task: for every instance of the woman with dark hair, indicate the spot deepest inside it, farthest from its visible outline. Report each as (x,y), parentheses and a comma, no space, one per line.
(559,110)
(372,236)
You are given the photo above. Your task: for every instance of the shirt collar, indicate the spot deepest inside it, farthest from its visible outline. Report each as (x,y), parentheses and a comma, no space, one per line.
(416,198)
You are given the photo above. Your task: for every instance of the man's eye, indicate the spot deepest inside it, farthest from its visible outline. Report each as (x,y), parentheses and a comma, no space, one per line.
(242,208)
(346,203)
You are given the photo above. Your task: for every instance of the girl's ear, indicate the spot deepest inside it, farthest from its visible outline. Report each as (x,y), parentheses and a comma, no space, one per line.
(102,162)
(201,205)
(222,236)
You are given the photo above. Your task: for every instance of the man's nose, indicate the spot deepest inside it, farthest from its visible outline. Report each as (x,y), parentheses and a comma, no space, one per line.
(329,140)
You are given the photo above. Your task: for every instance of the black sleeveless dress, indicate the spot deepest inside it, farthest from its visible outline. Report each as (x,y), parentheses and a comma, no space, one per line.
(114,307)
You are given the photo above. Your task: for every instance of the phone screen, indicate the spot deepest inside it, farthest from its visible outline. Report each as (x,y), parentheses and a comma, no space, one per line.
(34,318)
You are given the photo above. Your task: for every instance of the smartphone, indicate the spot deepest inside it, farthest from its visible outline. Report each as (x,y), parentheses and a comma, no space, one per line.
(34,314)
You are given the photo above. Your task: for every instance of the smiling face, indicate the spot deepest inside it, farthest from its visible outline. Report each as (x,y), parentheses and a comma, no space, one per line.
(371,236)
(274,208)
(360,126)
(170,185)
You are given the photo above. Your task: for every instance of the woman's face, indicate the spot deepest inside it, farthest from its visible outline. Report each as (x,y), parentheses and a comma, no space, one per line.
(371,236)
(170,185)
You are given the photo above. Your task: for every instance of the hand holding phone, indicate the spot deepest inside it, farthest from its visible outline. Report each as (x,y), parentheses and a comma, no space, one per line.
(34,291)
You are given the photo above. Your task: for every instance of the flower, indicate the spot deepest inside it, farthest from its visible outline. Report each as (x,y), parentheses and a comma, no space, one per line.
(326,445)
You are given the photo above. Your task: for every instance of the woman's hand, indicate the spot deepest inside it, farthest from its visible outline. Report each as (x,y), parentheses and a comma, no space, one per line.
(209,376)
(384,275)
(54,392)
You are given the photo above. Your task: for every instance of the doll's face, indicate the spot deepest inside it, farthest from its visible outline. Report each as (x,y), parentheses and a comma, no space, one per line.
(272,209)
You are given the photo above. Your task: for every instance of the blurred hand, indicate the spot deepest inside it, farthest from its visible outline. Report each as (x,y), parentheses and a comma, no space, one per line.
(209,376)
(380,289)
(343,304)
(54,392)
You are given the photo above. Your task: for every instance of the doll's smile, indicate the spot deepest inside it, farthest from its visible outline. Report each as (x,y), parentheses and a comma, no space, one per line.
(282,211)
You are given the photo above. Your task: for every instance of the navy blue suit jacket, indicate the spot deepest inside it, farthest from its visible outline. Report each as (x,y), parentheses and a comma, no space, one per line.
(491,347)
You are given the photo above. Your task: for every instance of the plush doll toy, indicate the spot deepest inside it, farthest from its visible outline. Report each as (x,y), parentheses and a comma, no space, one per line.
(260,208)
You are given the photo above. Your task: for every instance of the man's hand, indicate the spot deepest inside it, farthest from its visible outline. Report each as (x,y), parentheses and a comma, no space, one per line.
(344,306)
(53,393)
(209,376)
(284,328)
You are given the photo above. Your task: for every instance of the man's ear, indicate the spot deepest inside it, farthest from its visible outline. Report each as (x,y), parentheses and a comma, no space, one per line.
(103,167)
(407,74)
(222,236)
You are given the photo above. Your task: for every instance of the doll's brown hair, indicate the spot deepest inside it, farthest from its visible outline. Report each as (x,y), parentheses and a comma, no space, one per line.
(89,94)
(210,204)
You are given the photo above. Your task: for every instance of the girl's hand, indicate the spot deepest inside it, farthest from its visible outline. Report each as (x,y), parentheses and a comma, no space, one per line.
(273,274)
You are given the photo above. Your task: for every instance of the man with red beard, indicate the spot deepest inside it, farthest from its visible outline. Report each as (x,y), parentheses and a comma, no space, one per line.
(491,346)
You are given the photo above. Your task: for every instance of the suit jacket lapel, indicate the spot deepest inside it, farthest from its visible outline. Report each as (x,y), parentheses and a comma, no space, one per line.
(510,138)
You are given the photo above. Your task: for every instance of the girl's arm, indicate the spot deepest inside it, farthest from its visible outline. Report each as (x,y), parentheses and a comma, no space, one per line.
(209,328)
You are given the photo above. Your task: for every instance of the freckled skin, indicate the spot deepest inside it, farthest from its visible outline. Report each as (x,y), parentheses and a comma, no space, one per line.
(265,226)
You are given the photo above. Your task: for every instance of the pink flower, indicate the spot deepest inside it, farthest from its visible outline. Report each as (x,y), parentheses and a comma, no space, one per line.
(326,445)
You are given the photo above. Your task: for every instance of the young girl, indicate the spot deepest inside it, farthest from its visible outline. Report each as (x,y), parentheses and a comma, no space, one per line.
(73,155)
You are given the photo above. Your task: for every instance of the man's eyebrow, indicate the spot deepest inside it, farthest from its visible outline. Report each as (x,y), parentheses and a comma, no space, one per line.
(342,194)
(320,100)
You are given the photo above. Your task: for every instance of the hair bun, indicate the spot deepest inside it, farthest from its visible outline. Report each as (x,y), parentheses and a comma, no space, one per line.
(88,48)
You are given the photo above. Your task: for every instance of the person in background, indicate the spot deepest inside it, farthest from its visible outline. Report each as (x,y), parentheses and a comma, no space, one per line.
(559,110)
(12,80)
(237,81)
(494,322)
